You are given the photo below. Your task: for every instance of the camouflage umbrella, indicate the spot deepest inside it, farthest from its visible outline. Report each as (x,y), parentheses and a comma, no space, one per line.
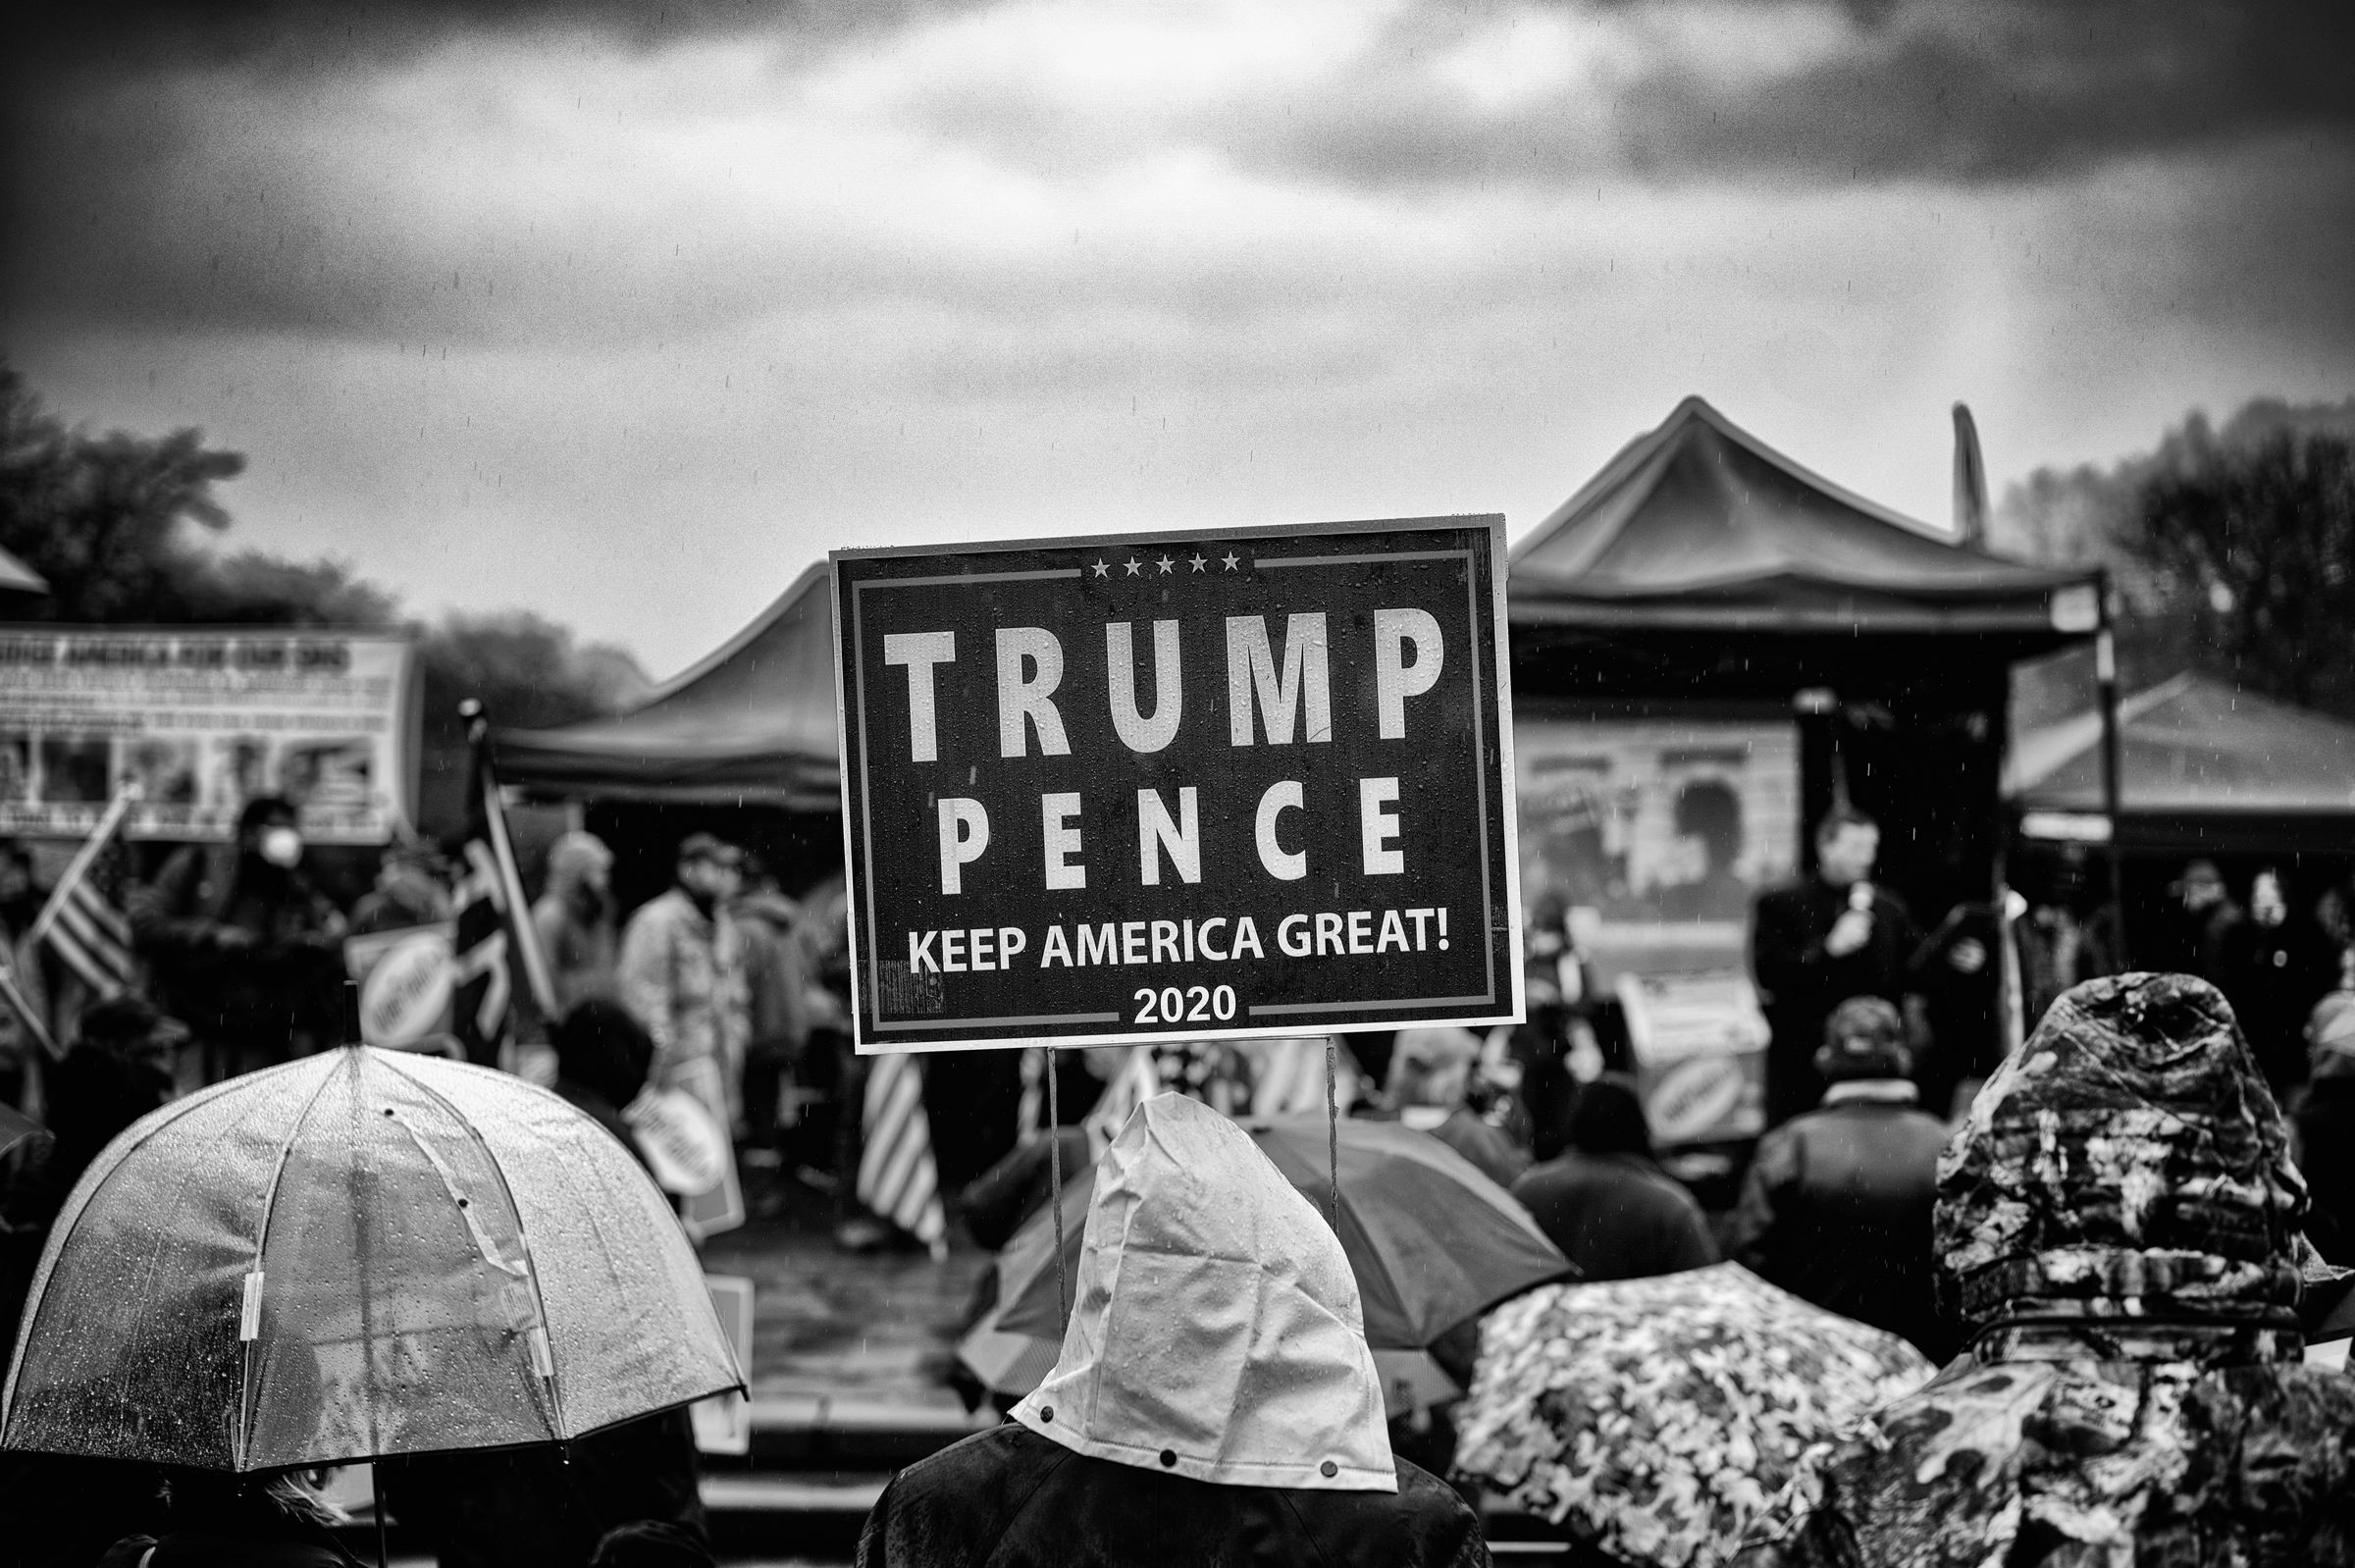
(1654,1419)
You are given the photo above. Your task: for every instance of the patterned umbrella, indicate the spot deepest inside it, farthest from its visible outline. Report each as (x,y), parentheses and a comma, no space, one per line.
(1654,1419)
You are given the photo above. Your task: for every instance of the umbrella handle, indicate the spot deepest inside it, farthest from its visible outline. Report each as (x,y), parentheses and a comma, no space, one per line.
(376,1484)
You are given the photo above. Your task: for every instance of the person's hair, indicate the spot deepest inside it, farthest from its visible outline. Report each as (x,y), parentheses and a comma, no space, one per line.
(600,1045)
(1709,810)
(650,1544)
(264,810)
(1607,1118)
(1863,1038)
(204,1497)
(709,846)
(1840,816)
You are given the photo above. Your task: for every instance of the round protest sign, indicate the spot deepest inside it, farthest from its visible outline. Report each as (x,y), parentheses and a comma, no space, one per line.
(406,994)
(686,1150)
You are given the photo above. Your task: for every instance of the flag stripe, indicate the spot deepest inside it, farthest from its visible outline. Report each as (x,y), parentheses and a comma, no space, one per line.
(81,923)
(106,940)
(897,1176)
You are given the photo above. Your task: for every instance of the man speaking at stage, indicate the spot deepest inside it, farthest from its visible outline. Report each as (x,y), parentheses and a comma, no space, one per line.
(1819,941)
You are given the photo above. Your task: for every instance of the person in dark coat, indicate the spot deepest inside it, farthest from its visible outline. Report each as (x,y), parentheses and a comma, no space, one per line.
(2325,1124)
(247,953)
(1836,1206)
(1814,944)
(538,1507)
(603,1055)
(225,1521)
(1215,1401)
(1605,1201)
(2274,967)
(2119,1241)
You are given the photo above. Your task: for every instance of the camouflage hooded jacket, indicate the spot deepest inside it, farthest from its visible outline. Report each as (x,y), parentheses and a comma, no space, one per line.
(2118,1230)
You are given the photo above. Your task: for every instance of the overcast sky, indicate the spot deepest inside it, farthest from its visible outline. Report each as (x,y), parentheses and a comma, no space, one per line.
(626,313)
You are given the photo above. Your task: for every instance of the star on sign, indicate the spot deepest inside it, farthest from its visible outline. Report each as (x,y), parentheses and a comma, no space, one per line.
(1166,564)
(1103,570)
(1231,558)
(1135,566)
(1200,561)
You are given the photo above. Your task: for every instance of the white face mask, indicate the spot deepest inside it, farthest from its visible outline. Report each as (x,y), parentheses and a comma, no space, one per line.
(282,846)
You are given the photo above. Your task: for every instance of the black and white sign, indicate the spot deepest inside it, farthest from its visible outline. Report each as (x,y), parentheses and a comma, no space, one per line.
(1257,782)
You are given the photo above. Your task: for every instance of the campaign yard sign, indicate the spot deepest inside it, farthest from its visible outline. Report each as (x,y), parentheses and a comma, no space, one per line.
(1189,786)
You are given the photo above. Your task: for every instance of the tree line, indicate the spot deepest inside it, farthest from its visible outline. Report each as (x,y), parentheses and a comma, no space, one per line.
(127,530)
(2231,548)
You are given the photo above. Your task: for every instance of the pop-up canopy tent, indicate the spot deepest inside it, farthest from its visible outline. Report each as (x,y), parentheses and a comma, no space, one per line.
(1700,527)
(1702,571)
(2205,768)
(751,725)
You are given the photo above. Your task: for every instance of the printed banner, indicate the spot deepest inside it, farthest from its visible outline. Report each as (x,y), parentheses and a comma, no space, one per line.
(1699,1043)
(1649,839)
(204,720)
(1217,785)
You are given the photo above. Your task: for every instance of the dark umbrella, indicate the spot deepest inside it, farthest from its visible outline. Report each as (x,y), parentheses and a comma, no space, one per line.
(1432,1241)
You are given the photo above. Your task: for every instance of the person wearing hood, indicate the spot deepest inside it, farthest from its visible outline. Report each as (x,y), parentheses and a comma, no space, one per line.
(1605,1201)
(250,953)
(573,918)
(2325,1124)
(2119,1241)
(1215,1400)
(1836,1206)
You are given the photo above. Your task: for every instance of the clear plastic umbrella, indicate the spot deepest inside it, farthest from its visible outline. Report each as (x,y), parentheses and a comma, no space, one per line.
(355,1255)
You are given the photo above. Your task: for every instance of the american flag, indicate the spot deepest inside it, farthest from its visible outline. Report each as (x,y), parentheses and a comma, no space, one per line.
(80,922)
(897,1176)
(493,922)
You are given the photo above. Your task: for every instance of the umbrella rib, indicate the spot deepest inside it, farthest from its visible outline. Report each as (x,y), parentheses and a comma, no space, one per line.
(67,1217)
(248,1389)
(531,1262)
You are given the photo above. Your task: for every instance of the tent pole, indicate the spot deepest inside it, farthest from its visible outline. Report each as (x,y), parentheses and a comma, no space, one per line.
(2105,667)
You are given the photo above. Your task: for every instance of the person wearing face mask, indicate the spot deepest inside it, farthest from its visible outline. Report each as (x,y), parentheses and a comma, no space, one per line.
(682,974)
(1818,942)
(242,946)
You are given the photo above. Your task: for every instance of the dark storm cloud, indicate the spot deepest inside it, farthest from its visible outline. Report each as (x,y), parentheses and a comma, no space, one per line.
(1905,89)
(117,35)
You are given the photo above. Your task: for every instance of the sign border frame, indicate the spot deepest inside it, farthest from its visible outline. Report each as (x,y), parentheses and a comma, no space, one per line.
(1514,1004)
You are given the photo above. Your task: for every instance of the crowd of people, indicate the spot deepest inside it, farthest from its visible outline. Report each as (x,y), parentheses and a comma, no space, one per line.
(1893,1188)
